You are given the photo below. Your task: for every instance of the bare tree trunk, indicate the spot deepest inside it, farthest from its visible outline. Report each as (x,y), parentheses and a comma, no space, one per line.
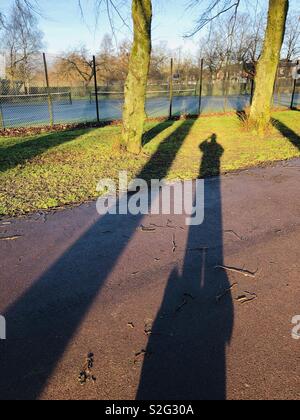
(134,114)
(260,114)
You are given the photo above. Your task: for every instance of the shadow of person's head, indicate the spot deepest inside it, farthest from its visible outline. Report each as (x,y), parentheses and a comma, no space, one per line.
(212,153)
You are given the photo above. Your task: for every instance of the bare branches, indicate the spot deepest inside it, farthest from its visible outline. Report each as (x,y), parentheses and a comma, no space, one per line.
(2,21)
(32,6)
(119,14)
(215,9)
(22,41)
(79,62)
(75,66)
(111,9)
(239,41)
(291,46)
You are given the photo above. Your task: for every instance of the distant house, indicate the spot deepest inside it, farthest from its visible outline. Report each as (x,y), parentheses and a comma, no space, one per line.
(285,69)
(285,74)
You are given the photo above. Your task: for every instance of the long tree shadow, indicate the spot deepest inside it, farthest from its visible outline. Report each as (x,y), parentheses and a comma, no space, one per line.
(24,151)
(187,348)
(287,132)
(156,130)
(21,152)
(44,319)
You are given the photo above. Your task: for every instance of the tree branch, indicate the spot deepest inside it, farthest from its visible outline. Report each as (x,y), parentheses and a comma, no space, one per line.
(212,13)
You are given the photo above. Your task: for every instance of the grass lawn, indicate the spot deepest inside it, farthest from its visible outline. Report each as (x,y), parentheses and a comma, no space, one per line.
(55,169)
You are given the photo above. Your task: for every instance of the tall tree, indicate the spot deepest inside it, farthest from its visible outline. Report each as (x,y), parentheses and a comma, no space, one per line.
(260,113)
(134,114)
(22,40)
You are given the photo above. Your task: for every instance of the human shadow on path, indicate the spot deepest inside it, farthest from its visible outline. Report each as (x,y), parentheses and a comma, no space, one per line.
(186,353)
(42,322)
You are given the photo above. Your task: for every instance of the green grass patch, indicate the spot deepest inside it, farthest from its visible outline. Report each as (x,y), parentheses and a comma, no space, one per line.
(51,170)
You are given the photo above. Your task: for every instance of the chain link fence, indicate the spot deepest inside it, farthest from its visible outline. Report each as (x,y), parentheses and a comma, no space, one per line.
(50,89)
(287,88)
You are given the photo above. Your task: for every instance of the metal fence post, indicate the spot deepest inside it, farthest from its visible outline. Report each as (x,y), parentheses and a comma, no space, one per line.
(171,90)
(252,90)
(50,104)
(294,90)
(201,86)
(226,87)
(96,88)
(277,87)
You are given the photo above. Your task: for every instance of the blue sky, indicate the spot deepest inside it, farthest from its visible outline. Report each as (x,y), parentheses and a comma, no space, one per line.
(64,27)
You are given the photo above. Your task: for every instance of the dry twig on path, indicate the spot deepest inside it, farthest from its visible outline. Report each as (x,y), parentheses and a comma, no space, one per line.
(225,292)
(245,273)
(10,238)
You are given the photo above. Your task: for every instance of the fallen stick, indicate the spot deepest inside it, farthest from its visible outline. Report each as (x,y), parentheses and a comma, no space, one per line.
(245,273)
(156,226)
(142,353)
(10,238)
(185,302)
(219,297)
(174,244)
(243,299)
(232,232)
(147,229)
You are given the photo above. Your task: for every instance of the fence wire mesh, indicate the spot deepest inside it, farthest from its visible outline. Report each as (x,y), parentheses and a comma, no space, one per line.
(68,95)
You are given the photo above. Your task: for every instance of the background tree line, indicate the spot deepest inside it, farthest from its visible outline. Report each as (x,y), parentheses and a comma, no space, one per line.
(22,40)
(244,48)
(253,40)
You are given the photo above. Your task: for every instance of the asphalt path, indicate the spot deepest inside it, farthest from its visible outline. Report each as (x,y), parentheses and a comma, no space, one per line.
(161,319)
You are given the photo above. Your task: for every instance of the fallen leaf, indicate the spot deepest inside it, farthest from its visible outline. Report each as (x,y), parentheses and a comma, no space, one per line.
(148,327)
(85,374)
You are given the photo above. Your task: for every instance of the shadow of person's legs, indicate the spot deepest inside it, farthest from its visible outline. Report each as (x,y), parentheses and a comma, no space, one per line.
(45,318)
(187,349)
